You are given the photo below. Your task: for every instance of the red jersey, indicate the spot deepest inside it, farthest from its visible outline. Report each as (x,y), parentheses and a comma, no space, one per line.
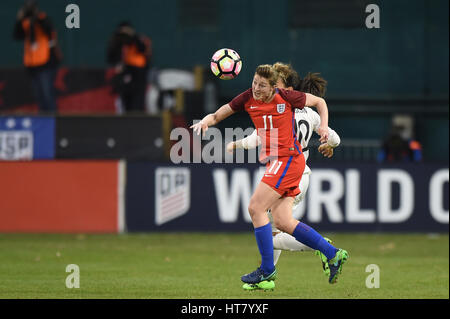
(274,121)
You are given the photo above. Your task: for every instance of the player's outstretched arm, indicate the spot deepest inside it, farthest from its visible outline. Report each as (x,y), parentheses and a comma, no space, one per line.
(321,106)
(212,119)
(250,142)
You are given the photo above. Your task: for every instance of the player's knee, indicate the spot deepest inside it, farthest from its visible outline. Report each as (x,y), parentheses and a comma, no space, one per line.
(254,208)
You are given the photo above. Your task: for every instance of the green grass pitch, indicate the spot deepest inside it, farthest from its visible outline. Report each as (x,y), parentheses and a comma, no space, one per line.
(209,265)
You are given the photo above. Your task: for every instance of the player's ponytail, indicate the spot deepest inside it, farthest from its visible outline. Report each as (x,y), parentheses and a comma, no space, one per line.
(313,83)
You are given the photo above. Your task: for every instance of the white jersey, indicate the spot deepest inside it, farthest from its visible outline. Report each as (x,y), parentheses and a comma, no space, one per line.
(306,121)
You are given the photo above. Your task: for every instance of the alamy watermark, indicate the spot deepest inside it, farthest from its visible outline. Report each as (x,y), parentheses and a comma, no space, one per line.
(73,280)
(73,19)
(373,19)
(373,280)
(212,146)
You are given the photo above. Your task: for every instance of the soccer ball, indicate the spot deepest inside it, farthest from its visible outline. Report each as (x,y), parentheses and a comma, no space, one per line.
(226,64)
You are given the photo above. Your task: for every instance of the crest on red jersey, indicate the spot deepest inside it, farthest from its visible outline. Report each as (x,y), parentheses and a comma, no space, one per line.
(281,108)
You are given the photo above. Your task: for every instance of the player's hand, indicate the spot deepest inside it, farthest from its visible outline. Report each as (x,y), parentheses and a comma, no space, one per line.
(230,147)
(199,127)
(323,132)
(326,150)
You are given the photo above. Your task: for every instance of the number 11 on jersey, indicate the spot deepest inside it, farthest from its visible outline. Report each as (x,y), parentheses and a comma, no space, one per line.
(273,166)
(265,121)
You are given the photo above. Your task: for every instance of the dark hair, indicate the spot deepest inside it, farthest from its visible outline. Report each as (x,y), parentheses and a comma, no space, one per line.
(313,83)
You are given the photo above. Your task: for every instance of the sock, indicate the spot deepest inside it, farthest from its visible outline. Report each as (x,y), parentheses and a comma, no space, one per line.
(285,241)
(305,234)
(263,236)
(276,255)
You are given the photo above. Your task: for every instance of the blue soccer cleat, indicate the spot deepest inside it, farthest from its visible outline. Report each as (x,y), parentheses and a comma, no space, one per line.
(336,264)
(258,276)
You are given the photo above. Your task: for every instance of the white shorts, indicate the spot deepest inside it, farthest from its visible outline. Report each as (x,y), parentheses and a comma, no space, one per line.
(303,185)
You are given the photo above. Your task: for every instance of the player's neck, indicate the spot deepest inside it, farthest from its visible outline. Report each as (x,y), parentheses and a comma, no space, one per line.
(270,98)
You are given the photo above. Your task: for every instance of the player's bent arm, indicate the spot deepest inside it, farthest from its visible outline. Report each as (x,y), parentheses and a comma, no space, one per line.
(327,149)
(213,118)
(321,106)
(333,138)
(250,142)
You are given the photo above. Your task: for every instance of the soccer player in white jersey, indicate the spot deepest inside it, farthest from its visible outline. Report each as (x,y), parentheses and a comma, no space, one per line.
(307,121)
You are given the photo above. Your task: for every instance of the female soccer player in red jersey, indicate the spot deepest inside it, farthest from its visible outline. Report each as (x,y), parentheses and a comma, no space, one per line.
(307,121)
(272,113)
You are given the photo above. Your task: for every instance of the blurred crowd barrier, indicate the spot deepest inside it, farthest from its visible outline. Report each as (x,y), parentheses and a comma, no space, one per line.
(26,138)
(178,97)
(79,90)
